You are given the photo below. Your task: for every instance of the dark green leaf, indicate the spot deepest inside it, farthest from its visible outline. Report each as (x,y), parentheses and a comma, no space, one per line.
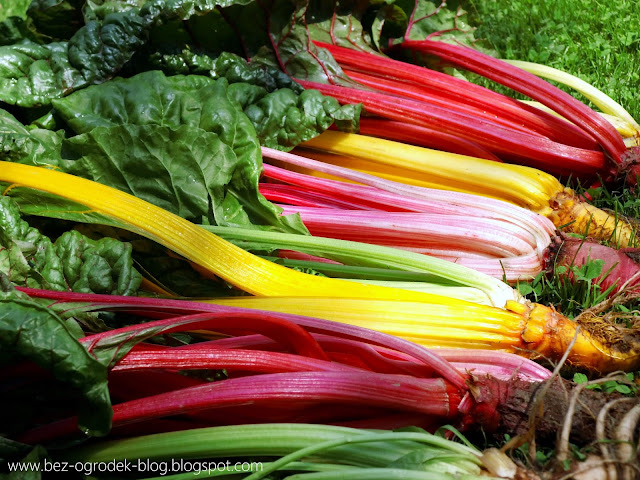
(32,74)
(284,119)
(32,332)
(185,133)
(98,9)
(100,49)
(72,263)
(57,19)
(17,30)
(183,170)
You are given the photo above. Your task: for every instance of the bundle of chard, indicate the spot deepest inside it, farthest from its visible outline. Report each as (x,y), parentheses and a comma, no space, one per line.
(426,318)
(185,369)
(529,188)
(414,102)
(275,367)
(491,236)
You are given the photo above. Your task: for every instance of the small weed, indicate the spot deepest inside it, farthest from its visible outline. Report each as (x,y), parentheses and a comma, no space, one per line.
(625,387)
(570,289)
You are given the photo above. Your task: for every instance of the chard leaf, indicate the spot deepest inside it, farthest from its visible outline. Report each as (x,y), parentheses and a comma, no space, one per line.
(13,8)
(155,262)
(186,133)
(16,30)
(99,9)
(284,119)
(448,23)
(57,19)
(36,202)
(184,170)
(235,69)
(72,263)
(29,331)
(340,23)
(31,74)
(100,49)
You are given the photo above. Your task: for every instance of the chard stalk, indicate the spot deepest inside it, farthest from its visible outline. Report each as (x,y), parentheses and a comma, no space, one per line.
(504,142)
(530,85)
(497,292)
(215,255)
(597,97)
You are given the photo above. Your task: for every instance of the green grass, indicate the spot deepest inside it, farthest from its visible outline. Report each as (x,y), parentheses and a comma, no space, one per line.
(595,40)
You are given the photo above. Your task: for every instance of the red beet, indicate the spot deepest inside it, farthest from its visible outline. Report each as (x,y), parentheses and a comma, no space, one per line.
(619,265)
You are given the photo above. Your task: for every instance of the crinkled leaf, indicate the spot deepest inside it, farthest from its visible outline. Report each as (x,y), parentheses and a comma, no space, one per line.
(34,147)
(72,263)
(101,48)
(188,132)
(284,119)
(98,9)
(29,331)
(32,74)
(236,69)
(157,264)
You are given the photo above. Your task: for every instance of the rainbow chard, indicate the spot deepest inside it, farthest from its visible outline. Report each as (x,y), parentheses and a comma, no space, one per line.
(432,222)
(272,361)
(530,188)
(280,367)
(537,89)
(434,225)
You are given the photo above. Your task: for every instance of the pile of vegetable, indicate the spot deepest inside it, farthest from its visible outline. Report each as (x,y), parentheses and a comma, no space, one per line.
(312,237)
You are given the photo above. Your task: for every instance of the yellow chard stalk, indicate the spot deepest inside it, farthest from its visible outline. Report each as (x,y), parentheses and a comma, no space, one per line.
(527,187)
(248,272)
(532,330)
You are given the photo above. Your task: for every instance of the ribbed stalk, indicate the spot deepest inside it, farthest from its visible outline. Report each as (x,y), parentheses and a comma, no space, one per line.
(530,85)
(535,331)
(597,97)
(491,246)
(215,255)
(457,89)
(263,440)
(507,143)
(497,293)
(432,326)
(423,137)
(630,134)
(530,188)
(523,186)
(360,389)
(416,92)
